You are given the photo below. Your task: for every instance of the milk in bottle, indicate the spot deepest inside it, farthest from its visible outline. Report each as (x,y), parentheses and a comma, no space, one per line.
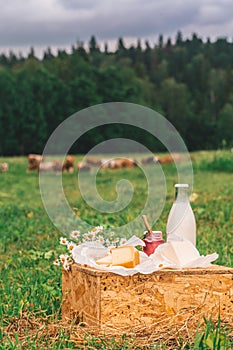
(181,222)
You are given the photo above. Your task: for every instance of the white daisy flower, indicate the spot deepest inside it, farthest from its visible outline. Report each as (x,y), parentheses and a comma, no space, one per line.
(66,266)
(56,262)
(86,237)
(63,241)
(64,258)
(91,235)
(100,240)
(71,246)
(97,229)
(75,234)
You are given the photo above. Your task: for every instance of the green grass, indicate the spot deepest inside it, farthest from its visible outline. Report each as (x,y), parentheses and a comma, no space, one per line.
(30,285)
(220,161)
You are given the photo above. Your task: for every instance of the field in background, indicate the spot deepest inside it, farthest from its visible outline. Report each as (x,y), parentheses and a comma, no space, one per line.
(30,285)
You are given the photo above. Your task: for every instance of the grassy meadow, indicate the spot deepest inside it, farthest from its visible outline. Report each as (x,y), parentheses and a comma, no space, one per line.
(30,285)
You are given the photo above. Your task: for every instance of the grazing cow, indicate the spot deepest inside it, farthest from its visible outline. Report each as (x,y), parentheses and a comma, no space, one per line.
(3,167)
(92,161)
(83,167)
(105,163)
(55,166)
(150,160)
(170,159)
(34,161)
(119,163)
(68,164)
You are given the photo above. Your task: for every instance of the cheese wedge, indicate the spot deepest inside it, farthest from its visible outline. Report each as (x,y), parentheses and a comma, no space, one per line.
(179,252)
(126,256)
(107,260)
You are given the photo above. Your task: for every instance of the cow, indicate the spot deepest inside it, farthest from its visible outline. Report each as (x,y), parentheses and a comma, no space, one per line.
(105,163)
(83,167)
(175,157)
(150,160)
(119,163)
(92,161)
(34,161)
(3,167)
(55,166)
(68,164)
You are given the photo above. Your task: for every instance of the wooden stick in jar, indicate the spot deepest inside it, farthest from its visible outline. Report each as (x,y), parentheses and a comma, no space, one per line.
(149,230)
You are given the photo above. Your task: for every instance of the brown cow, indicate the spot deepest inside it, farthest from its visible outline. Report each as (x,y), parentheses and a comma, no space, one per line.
(34,161)
(105,163)
(68,164)
(171,158)
(119,163)
(3,167)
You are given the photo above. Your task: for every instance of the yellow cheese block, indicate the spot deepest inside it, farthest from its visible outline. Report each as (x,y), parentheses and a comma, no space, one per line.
(126,256)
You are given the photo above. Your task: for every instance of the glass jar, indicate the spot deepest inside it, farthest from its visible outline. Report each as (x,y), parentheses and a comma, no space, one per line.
(152,241)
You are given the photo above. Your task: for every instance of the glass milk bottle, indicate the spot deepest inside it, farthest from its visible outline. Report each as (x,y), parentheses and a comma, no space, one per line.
(181,222)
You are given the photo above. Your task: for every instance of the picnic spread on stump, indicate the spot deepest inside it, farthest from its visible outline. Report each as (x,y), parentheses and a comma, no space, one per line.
(149,281)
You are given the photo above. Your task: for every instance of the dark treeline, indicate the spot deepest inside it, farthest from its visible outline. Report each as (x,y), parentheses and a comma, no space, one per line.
(188,81)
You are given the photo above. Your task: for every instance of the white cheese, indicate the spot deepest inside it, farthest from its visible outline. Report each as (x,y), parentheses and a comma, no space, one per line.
(107,260)
(179,252)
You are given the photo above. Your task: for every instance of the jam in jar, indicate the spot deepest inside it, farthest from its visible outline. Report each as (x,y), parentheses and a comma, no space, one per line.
(152,241)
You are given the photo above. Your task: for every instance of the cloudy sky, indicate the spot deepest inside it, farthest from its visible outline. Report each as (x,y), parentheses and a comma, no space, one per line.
(61,23)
